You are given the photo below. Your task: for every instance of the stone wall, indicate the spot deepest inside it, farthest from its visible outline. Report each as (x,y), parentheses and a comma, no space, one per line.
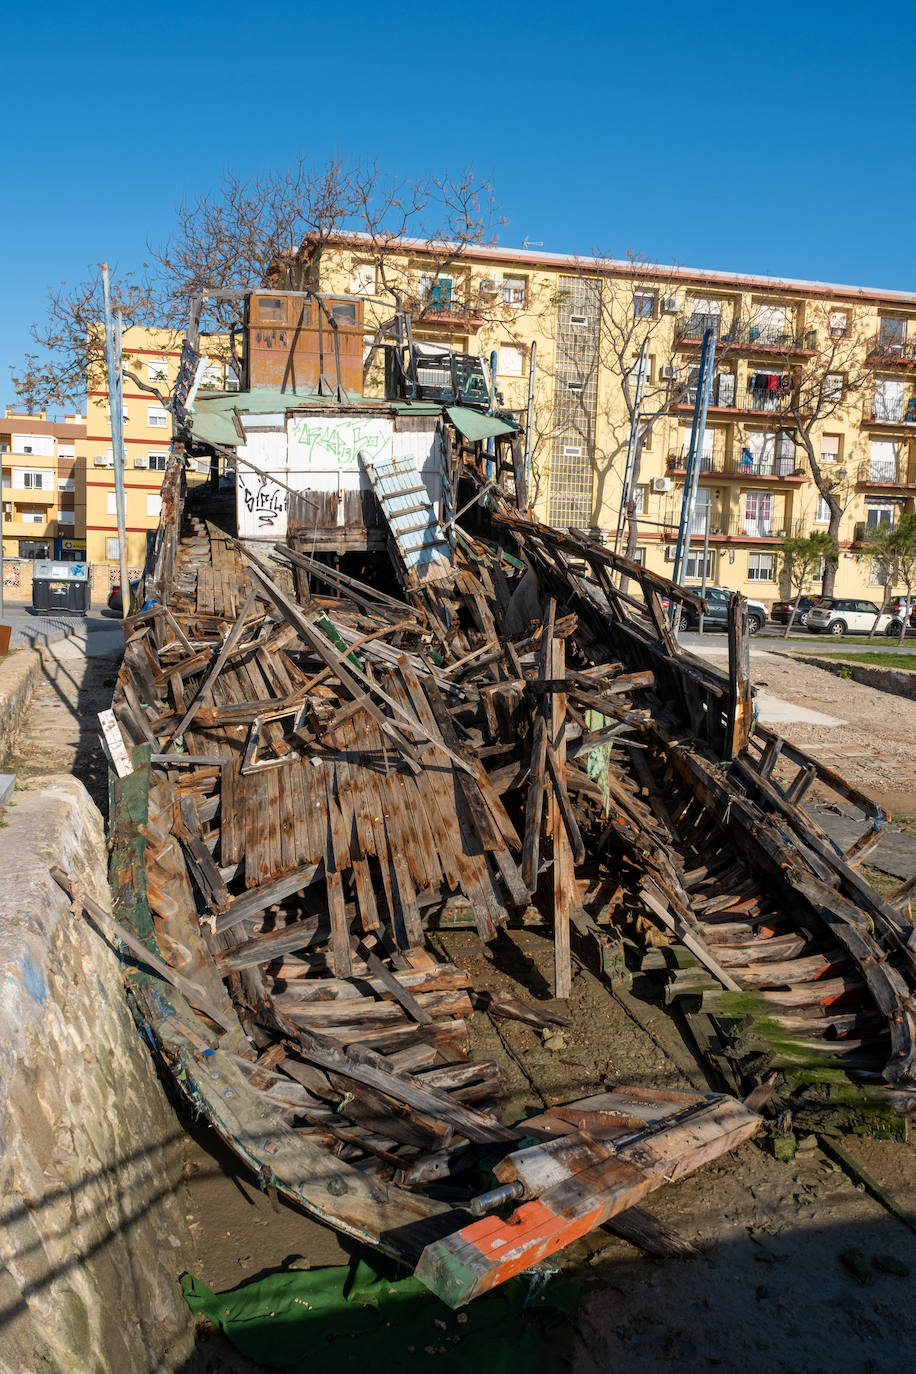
(92,1230)
(900,682)
(20,674)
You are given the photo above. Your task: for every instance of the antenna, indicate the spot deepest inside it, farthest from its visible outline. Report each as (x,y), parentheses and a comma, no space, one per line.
(532,243)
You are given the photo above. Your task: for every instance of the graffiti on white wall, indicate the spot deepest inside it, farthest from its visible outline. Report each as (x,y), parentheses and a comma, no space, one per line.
(262,506)
(326,442)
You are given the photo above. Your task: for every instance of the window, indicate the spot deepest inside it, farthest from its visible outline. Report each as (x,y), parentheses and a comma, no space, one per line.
(154,504)
(345,313)
(66,517)
(515,290)
(640,494)
(830,448)
(362,279)
(156,460)
(34,548)
(112,552)
(823,512)
(646,371)
(157,370)
(33,481)
(572,450)
(644,305)
(436,292)
(157,417)
(112,503)
(639,556)
(575,386)
(693,568)
(879,513)
(66,484)
(761,567)
(32,515)
(888,403)
(892,332)
(578,321)
(212,377)
(833,386)
(703,313)
(511,360)
(66,452)
(758,513)
(882,460)
(770,325)
(124,415)
(838,324)
(879,573)
(270,311)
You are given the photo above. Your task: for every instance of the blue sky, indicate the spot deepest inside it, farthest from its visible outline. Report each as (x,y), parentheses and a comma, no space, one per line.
(750,138)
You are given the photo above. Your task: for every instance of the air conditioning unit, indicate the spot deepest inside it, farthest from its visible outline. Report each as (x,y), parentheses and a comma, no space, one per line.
(140,461)
(669,373)
(670,305)
(489,287)
(99,461)
(661,484)
(670,552)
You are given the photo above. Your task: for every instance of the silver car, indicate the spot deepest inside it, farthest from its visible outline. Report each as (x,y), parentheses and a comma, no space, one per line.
(842,615)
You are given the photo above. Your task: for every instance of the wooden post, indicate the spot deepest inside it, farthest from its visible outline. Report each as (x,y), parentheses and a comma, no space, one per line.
(740,703)
(562,855)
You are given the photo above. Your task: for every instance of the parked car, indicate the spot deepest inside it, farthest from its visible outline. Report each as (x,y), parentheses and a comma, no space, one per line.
(114,596)
(834,615)
(716,618)
(781,611)
(898,610)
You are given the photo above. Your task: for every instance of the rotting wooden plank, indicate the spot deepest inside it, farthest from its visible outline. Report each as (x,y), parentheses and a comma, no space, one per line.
(258,899)
(563,875)
(534,804)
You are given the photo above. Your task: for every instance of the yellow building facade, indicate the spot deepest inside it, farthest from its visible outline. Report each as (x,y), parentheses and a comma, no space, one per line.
(43,516)
(152,356)
(850,351)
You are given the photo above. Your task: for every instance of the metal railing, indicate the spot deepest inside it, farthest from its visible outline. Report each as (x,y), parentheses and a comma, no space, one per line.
(887,472)
(743,462)
(732,525)
(863,531)
(738,335)
(892,349)
(882,410)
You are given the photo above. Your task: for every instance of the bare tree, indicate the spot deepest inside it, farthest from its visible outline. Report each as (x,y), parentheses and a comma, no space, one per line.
(894,548)
(271,229)
(820,383)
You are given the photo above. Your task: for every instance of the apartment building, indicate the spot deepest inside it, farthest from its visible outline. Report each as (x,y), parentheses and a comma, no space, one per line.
(152,356)
(43,516)
(589,319)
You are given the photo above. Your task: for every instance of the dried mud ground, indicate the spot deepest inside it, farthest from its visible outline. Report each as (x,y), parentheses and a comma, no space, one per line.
(768,1291)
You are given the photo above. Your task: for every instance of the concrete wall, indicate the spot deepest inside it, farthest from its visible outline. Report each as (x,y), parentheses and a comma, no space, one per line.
(900,682)
(92,1231)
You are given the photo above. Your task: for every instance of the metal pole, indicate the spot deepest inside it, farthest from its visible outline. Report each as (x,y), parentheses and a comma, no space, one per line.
(626,493)
(694,456)
(116,411)
(529,417)
(705,563)
(494,359)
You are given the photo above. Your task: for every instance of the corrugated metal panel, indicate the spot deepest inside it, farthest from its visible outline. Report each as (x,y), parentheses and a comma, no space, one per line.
(411,517)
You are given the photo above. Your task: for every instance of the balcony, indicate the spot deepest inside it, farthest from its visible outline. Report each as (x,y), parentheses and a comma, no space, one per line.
(880,410)
(863,531)
(742,463)
(887,472)
(732,525)
(747,401)
(747,338)
(26,529)
(892,350)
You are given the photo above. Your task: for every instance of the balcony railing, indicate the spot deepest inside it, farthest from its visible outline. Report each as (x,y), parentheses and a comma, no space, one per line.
(863,531)
(746,336)
(886,472)
(880,410)
(742,462)
(732,525)
(892,350)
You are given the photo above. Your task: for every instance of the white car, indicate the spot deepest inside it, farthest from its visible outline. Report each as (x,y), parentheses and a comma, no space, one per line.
(841,615)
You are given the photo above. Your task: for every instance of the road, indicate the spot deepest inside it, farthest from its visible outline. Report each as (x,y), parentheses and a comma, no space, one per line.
(771,637)
(28,625)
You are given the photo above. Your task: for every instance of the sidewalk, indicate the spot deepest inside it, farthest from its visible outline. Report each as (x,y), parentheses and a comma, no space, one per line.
(30,628)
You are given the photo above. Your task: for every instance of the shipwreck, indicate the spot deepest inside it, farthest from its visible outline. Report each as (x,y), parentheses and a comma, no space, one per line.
(365,692)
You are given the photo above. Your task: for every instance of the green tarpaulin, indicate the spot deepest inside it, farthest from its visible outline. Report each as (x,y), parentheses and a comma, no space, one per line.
(321,1321)
(474,425)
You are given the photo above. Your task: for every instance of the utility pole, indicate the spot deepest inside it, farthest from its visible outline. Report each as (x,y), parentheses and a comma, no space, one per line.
(694,457)
(116,414)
